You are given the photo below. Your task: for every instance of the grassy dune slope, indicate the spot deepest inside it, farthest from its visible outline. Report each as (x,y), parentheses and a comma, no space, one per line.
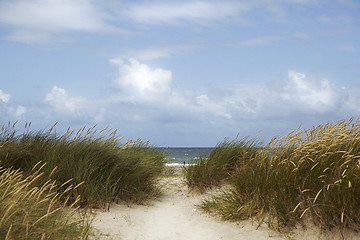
(101,168)
(312,173)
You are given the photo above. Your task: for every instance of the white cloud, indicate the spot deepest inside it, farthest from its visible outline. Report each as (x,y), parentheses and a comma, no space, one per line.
(10,109)
(140,80)
(148,98)
(20,110)
(58,98)
(39,21)
(316,95)
(75,108)
(205,105)
(149,102)
(299,94)
(50,21)
(149,95)
(52,15)
(4,97)
(146,95)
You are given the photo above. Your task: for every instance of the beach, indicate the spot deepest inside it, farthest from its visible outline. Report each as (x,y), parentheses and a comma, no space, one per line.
(174,216)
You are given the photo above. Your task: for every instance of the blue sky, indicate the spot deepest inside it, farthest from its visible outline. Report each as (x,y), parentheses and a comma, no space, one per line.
(180,73)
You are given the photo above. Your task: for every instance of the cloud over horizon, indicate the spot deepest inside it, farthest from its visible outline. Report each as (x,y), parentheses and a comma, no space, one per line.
(149,95)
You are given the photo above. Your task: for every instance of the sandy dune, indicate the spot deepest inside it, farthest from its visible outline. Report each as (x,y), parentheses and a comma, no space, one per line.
(174,217)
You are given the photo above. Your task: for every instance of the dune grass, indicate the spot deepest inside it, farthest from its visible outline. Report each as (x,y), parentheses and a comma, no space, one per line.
(312,173)
(29,210)
(212,170)
(109,169)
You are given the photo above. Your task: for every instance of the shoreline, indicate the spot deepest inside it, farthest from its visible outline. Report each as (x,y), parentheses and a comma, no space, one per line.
(178,164)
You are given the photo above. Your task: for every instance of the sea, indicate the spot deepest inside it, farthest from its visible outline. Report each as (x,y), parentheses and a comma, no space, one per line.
(185,155)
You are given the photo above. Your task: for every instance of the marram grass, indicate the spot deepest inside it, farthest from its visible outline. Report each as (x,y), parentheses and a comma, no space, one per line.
(212,170)
(29,210)
(312,173)
(106,169)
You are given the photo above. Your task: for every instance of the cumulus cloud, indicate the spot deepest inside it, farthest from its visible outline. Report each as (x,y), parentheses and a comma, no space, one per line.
(148,104)
(74,108)
(204,105)
(145,94)
(147,97)
(317,95)
(148,94)
(10,109)
(58,98)
(4,97)
(298,94)
(141,80)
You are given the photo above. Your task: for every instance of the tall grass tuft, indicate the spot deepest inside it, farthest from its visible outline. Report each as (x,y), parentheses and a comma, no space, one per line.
(209,171)
(109,169)
(29,210)
(312,173)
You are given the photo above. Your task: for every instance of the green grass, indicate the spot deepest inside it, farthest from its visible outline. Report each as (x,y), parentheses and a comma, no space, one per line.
(312,173)
(29,210)
(38,172)
(212,170)
(109,169)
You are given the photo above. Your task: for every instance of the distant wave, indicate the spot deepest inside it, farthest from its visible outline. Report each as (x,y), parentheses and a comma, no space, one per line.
(178,164)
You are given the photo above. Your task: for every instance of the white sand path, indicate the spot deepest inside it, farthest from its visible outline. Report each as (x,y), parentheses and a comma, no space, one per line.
(174,217)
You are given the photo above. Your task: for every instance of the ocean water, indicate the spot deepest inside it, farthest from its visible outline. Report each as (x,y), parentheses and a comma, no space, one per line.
(181,155)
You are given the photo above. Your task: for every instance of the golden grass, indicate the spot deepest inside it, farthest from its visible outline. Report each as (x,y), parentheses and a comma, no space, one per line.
(30,211)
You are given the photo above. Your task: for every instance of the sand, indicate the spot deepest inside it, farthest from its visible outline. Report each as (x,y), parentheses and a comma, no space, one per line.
(174,216)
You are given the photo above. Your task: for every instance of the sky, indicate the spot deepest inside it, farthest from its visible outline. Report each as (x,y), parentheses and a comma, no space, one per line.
(180,72)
